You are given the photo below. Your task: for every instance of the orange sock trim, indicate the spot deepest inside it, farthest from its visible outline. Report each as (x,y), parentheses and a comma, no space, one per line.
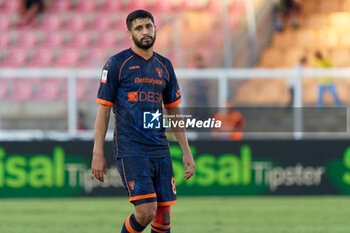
(156,230)
(129,227)
(160,225)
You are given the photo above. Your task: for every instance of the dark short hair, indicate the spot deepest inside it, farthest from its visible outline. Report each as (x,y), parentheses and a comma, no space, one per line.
(138,14)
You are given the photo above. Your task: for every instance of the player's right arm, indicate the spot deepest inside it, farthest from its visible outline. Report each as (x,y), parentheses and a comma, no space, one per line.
(98,165)
(105,97)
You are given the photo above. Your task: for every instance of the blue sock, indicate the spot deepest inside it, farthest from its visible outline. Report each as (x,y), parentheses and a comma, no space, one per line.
(131,225)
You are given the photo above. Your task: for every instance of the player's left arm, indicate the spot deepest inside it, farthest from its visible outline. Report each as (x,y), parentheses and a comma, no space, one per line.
(180,134)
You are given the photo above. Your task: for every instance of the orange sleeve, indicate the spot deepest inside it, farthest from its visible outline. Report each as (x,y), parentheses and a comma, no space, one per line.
(104,102)
(173,104)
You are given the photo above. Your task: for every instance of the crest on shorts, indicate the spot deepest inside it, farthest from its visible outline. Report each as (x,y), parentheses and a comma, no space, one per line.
(132,184)
(159,72)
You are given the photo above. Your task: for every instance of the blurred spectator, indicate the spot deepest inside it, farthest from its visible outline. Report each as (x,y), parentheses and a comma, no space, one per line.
(287,10)
(232,122)
(29,10)
(81,121)
(291,81)
(198,92)
(199,87)
(325,83)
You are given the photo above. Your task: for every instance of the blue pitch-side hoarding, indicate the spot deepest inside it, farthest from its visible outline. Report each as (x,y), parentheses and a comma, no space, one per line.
(264,167)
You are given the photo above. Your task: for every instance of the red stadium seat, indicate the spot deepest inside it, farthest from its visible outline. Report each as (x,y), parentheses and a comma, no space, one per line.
(135,5)
(76,22)
(95,58)
(80,39)
(26,39)
(60,6)
(107,39)
(42,57)
(49,89)
(83,87)
(213,6)
(120,23)
(68,58)
(52,22)
(124,44)
(112,6)
(5,86)
(5,22)
(22,90)
(10,6)
(92,90)
(15,58)
(54,39)
(101,22)
(192,5)
(86,6)
(5,40)
(162,6)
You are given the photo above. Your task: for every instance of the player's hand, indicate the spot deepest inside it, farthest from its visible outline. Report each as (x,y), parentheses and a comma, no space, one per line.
(189,165)
(98,166)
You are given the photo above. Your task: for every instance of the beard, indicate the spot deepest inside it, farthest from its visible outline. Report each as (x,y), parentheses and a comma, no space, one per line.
(143,44)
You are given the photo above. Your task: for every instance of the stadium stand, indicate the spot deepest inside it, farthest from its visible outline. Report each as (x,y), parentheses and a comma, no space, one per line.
(83,33)
(321,24)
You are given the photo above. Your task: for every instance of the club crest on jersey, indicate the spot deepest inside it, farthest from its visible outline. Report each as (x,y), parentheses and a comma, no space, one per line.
(104,76)
(107,63)
(159,72)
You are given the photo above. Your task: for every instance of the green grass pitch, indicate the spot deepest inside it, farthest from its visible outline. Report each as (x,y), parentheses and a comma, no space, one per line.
(189,215)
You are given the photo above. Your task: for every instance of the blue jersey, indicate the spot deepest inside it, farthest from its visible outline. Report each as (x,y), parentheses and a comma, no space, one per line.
(137,88)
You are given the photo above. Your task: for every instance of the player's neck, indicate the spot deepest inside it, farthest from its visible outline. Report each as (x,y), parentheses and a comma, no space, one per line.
(144,53)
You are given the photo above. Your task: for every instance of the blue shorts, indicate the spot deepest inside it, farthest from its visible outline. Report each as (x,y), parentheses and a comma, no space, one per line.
(148,179)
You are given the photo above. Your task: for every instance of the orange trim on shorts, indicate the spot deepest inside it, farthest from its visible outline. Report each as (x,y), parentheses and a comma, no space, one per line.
(129,227)
(139,197)
(173,104)
(126,182)
(164,68)
(167,203)
(156,230)
(121,68)
(160,225)
(104,102)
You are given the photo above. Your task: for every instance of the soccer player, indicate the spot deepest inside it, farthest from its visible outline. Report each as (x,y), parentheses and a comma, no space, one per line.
(136,83)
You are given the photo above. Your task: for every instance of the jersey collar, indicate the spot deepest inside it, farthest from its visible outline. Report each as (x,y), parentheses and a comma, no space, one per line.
(141,55)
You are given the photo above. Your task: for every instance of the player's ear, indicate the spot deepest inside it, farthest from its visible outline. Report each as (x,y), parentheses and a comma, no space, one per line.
(129,35)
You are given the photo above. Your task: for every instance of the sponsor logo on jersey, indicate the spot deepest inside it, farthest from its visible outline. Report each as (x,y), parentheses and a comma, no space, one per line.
(104,76)
(132,96)
(178,93)
(148,80)
(144,96)
(134,67)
